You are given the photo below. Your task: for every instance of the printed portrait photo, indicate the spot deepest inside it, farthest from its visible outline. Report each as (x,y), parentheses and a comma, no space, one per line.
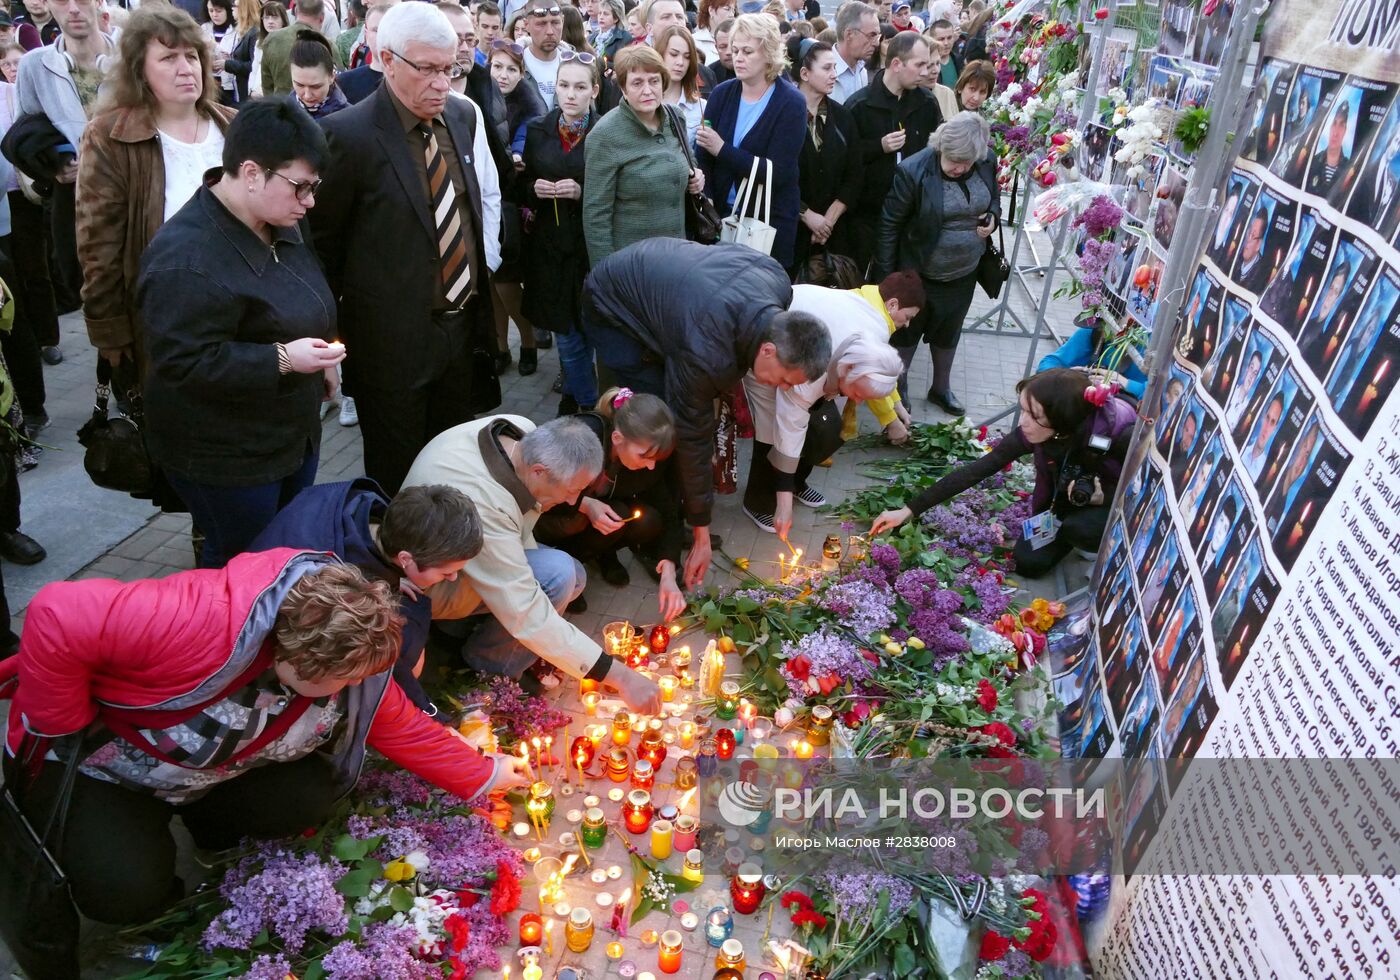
(1287,298)
(1375,329)
(1269,100)
(1376,190)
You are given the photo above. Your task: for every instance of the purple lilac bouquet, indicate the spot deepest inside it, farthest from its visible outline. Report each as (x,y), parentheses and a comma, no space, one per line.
(1102,216)
(859,891)
(384,950)
(933,614)
(290,896)
(861,606)
(523,714)
(823,654)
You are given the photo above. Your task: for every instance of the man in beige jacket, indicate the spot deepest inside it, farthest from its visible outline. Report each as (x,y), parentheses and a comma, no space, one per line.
(513,472)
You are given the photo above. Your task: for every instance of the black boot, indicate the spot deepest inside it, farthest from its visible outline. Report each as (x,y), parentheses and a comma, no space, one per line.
(940,393)
(614,572)
(529,360)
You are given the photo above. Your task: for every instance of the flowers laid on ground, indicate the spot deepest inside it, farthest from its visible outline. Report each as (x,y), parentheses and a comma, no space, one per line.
(933,451)
(404,882)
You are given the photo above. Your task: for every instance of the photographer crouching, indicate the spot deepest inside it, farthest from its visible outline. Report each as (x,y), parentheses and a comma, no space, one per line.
(1079,436)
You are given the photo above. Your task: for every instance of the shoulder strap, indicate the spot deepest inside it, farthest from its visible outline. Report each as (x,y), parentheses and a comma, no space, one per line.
(673,114)
(746,190)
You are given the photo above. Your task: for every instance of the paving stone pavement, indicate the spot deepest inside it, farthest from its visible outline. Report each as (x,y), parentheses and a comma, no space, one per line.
(93,533)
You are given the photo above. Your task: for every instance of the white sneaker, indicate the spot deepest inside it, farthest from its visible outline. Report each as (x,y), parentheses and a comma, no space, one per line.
(348,415)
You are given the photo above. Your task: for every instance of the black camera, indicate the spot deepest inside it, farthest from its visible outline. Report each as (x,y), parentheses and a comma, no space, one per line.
(1078,486)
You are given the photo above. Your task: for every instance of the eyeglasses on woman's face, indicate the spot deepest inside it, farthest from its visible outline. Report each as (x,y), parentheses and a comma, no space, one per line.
(305,190)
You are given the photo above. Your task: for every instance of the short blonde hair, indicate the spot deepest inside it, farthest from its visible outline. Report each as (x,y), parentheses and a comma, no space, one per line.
(334,622)
(763,30)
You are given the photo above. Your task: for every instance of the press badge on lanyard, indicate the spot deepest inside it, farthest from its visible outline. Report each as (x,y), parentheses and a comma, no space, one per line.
(1040,530)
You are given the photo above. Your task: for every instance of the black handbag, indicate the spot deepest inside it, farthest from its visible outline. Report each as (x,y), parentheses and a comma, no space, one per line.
(830,270)
(992,268)
(38,919)
(115,454)
(702,220)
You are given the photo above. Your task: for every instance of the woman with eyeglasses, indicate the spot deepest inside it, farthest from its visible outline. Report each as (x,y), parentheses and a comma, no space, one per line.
(637,172)
(556,255)
(523,105)
(145,152)
(829,172)
(677,50)
(273,18)
(239,327)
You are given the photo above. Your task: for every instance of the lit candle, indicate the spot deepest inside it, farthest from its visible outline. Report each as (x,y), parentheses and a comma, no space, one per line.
(532,972)
(622,728)
(637,811)
(587,686)
(687,734)
(1373,389)
(661,833)
(596,734)
(746,889)
(590,703)
(724,743)
(529,929)
(549,938)
(668,954)
(668,688)
(636,516)
(694,868)
(803,749)
(524,752)
(1300,527)
(336,347)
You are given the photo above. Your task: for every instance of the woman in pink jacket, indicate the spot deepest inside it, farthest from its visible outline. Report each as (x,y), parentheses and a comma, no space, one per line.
(240,699)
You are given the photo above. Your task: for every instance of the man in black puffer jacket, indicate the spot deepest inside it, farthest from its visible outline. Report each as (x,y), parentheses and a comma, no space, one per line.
(686,322)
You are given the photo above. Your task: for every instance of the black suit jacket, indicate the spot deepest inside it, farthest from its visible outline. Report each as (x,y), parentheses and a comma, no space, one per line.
(377,242)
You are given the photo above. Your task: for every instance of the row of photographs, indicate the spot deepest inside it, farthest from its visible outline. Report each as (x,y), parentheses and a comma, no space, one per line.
(1335,136)
(1178,85)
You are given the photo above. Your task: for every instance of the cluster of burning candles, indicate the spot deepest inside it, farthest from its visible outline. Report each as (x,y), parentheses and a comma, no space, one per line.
(607,751)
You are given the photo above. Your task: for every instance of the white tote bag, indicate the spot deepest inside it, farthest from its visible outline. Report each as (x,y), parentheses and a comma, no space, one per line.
(743,228)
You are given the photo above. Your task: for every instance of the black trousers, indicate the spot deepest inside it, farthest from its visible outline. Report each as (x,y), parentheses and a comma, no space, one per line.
(570,531)
(940,322)
(397,422)
(33,285)
(823,439)
(117,847)
(68,274)
(21,344)
(9,521)
(1081,527)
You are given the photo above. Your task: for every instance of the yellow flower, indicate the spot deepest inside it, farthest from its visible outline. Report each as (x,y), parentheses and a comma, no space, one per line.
(893,648)
(399,870)
(742,564)
(916,643)
(1041,605)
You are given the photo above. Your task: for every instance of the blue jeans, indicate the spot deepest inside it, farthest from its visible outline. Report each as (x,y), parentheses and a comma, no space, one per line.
(491,649)
(576,358)
(623,356)
(231,517)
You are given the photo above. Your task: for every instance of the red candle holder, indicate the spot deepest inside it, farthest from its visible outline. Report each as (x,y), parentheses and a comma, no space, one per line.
(724,743)
(531,929)
(659,639)
(582,751)
(746,889)
(643,775)
(637,812)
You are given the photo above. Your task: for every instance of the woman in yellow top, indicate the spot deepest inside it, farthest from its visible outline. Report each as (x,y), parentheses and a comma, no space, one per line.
(893,298)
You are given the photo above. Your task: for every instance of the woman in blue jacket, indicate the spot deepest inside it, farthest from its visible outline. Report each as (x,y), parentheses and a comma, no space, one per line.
(756,114)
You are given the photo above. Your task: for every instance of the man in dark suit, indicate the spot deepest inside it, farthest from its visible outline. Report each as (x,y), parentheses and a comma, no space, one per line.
(407,224)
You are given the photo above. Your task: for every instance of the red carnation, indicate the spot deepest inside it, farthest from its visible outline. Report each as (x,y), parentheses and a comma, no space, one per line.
(799,667)
(986,695)
(1101,14)
(994,946)
(808,917)
(795,898)
(1002,734)
(505,893)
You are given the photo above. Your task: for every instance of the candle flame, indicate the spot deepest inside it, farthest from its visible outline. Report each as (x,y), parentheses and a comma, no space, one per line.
(1380,372)
(685,798)
(625,898)
(569,863)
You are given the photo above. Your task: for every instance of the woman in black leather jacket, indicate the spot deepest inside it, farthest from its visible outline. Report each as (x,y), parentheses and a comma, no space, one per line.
(942,207)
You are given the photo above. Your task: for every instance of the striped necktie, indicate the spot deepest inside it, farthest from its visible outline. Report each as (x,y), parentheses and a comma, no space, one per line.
(452,247)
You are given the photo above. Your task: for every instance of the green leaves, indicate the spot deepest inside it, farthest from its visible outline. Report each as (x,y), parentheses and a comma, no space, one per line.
(350,849)
(400,898)
(356,882)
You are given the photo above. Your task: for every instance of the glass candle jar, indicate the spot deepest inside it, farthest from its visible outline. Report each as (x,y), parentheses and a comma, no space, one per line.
(686,828)
(637,811)
(687,734)
(617,766)
(686,772)
(531,929)
(719,926)
(694,867)
(590,703)
(707,761)
(544,793)
(819,725)
(595,828)
(746,889)
(622,728)
(596,734)
(587,686)
(578,931)
(724,743)
(668,952)
(653,747)
(582,752)
(731,956)
(668,687)
(643,775)
(727,703)
(668,812)
(733,859)
(662,832)
(680,662)
(831,547)
(727,973)
(659,639)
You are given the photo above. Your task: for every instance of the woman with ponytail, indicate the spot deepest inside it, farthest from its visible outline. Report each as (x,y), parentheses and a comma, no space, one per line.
(634,503)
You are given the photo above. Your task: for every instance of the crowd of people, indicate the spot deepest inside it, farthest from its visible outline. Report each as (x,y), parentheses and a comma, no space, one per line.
(256,206)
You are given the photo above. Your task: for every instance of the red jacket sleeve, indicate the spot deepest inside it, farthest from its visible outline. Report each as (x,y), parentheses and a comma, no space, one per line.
(408,738)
